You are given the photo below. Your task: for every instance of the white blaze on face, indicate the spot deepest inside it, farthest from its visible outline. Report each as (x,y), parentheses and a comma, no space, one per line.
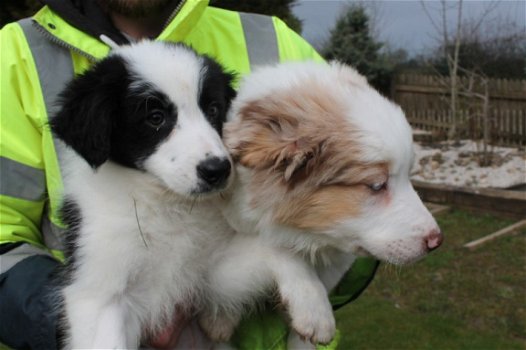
(191,143)
(193,139)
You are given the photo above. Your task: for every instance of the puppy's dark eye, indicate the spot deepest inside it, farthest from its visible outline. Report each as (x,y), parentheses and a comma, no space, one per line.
(213,110)
(156,118)
(378,186)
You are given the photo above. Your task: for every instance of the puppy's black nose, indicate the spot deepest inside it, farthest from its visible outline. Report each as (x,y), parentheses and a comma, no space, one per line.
(214,171)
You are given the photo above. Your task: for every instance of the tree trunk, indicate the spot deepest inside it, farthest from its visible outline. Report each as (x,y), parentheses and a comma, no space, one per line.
(453,74)
(485,125)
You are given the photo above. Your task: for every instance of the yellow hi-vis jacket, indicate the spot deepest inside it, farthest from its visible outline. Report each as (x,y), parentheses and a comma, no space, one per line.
(31,78)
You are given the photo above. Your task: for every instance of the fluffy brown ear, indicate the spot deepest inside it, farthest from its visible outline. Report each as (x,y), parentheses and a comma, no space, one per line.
(300,153)
(267,135)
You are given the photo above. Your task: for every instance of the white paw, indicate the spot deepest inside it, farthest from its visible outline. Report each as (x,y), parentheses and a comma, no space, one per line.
(217,328)
(294,342)
(313,322)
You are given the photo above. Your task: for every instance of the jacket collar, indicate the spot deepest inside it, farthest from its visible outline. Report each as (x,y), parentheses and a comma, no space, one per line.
(88,16)
(86,42)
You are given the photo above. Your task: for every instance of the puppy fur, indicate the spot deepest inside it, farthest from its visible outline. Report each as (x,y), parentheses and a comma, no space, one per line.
(319,151)
(142,148)
(322,163)
(322,176)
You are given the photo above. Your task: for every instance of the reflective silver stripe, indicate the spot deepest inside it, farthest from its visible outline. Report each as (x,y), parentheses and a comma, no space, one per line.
(21,181)
(16,255)
(55,69)
(260,39)
(52,234)
(53,62)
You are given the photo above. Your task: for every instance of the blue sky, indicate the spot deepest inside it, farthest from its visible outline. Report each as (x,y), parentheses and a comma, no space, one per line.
(403,24)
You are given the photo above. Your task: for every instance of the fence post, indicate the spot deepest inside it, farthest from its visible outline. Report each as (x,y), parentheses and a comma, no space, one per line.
(421,96)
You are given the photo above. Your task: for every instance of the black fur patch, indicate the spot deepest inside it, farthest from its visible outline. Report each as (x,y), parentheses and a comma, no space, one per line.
(71,216)
(63,276)
(88,106)
(136,137)
(216,93)
(102,117)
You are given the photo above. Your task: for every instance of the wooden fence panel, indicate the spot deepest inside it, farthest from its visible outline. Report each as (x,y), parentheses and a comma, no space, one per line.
(424,99)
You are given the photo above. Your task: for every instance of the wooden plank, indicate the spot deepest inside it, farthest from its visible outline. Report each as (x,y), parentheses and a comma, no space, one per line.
(434,90)
(436,209)
(512,229)
(500,202)
(487,192)
(424,99)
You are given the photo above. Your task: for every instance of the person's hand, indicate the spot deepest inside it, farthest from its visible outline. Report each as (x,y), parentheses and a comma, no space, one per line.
(168,337)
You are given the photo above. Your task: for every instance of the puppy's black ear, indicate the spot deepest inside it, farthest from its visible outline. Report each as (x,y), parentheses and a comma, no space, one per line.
(231,93)
(88,107)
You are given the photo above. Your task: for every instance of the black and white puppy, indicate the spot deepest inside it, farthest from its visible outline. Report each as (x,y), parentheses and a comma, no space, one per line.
(143,136)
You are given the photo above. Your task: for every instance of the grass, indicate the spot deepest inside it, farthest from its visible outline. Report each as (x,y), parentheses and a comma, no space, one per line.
(453,299)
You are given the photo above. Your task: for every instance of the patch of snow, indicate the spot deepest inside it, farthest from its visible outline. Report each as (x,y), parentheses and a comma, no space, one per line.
(421,132)
(458,165)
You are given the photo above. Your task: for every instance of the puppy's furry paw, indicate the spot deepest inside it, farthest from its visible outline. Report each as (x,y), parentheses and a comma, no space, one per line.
(218,328)
(314,323)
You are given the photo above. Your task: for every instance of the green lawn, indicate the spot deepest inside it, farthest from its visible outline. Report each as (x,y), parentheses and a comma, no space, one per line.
(453,299)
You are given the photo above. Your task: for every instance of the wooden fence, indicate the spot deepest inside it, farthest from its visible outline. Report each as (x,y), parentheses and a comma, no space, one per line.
(425,101)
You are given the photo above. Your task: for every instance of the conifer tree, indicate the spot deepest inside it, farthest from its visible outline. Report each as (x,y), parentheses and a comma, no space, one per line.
(351,42)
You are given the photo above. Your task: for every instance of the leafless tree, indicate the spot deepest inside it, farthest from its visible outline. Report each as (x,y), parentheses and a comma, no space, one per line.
(475,87)
(450,42)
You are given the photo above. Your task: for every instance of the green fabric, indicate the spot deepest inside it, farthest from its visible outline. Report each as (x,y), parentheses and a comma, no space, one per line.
(354,282)
(21,113)
(268,331)
(265,330)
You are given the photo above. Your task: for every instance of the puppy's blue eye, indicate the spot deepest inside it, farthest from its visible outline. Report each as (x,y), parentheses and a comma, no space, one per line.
(378,186)
(156,118)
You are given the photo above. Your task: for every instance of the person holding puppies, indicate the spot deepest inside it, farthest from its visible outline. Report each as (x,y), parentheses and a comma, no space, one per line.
(39,56)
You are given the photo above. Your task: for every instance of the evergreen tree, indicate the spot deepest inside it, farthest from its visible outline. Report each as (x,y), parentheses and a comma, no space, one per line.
(352,43)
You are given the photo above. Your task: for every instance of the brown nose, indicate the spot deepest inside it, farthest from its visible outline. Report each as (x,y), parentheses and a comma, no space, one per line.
(434,240)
